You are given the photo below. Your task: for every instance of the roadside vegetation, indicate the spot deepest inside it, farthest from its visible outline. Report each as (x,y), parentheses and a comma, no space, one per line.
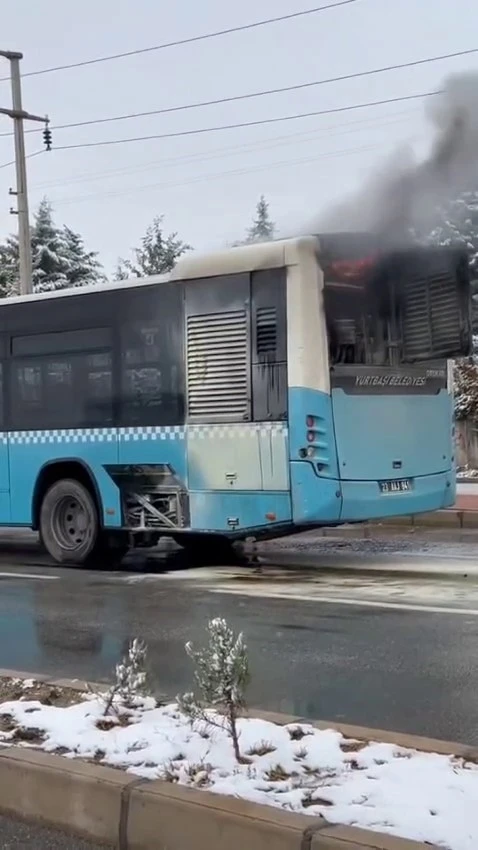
(207,739)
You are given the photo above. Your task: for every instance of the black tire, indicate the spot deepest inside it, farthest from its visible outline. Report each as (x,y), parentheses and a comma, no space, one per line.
(69,523)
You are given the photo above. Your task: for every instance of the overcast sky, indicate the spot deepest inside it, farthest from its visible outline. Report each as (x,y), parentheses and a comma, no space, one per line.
(207,186)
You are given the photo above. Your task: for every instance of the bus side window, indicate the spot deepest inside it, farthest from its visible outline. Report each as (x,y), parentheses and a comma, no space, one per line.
(26,396)
(151,357)
(141,371)
(58,380)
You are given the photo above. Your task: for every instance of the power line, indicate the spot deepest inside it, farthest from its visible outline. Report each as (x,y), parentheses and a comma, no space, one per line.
(217,174)
(264,92)
(28,156)
(190,40)
(250,147)
(200,130)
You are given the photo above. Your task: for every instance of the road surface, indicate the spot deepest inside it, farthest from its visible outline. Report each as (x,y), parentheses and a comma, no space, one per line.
(381,632)
(15,835)
(368,635)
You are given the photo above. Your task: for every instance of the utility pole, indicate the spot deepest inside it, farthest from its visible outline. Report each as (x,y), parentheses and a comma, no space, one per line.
(19,116)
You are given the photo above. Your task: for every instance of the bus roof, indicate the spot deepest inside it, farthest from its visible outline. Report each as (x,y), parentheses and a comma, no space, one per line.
(243,258)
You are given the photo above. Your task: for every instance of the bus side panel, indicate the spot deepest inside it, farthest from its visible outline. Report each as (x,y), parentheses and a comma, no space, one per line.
(31,450)
(229,512)
(5,507)
(246,456)
(224,457)
(247,461)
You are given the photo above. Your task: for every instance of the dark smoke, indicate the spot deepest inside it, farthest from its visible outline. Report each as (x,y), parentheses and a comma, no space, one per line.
(405,195)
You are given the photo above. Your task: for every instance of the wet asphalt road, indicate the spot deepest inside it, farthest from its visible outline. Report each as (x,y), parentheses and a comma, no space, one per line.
(322,643)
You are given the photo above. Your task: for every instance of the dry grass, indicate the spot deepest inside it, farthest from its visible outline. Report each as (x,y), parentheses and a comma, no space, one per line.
(353,746)
(105,724)
(262,748)
(12,689)
(276,774)
(310,799)
(297,733)
(28,735)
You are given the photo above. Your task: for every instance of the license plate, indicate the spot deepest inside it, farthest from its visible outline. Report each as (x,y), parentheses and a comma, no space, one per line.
(403,485)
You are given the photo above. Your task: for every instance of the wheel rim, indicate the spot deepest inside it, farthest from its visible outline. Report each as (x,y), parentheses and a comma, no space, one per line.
(70,523)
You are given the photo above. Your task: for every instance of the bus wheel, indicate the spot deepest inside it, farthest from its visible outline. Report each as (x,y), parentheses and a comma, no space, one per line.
(69,527)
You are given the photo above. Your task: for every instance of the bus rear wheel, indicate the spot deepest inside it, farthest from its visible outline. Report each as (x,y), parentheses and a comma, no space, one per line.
(69,525)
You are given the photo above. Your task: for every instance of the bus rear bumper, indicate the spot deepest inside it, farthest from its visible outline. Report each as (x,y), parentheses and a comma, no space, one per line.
(320,501)
(362,500)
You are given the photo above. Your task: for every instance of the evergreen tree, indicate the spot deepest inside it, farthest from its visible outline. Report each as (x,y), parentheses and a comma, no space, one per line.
(263,228)
(466,390)
(157,253)
(457,224)
(83,268)
(49,260)
(9,268)
(59,257)
(222,677)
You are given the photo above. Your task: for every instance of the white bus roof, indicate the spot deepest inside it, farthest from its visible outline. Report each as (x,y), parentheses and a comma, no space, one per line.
(244,258)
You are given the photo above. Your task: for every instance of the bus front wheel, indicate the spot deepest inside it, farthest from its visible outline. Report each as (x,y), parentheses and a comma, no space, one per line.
(69,526)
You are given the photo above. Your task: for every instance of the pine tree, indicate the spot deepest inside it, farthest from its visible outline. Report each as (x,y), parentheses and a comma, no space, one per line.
(263,228)
(466,390)
(157,253)
(131,681)
(457,225)
(9,268)
(59,257)
(49,260)
(83,268)
(222,676)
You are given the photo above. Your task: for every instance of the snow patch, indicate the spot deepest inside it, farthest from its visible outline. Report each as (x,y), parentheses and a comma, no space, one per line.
(426,797)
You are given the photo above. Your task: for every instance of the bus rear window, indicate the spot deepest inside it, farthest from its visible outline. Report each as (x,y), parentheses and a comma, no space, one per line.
(399,307)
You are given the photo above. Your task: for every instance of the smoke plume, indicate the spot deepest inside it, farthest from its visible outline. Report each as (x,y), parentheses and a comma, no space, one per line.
(404,193)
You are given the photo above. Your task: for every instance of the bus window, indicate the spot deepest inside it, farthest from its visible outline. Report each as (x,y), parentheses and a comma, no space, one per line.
(149,389)
(64,391)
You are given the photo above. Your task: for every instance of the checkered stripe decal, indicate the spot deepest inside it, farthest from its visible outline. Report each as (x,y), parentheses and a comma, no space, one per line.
(246,429)
(95,435)
(144,433)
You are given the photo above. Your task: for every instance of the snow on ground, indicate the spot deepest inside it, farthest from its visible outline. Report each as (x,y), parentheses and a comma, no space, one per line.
(467,472)
(377,786)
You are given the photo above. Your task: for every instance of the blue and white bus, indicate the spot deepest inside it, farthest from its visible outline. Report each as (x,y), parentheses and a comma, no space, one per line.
(252,392)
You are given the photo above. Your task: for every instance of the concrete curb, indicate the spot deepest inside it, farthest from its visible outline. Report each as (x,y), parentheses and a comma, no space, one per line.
(451,518)
(453,523)
(114,808)
(123,811)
